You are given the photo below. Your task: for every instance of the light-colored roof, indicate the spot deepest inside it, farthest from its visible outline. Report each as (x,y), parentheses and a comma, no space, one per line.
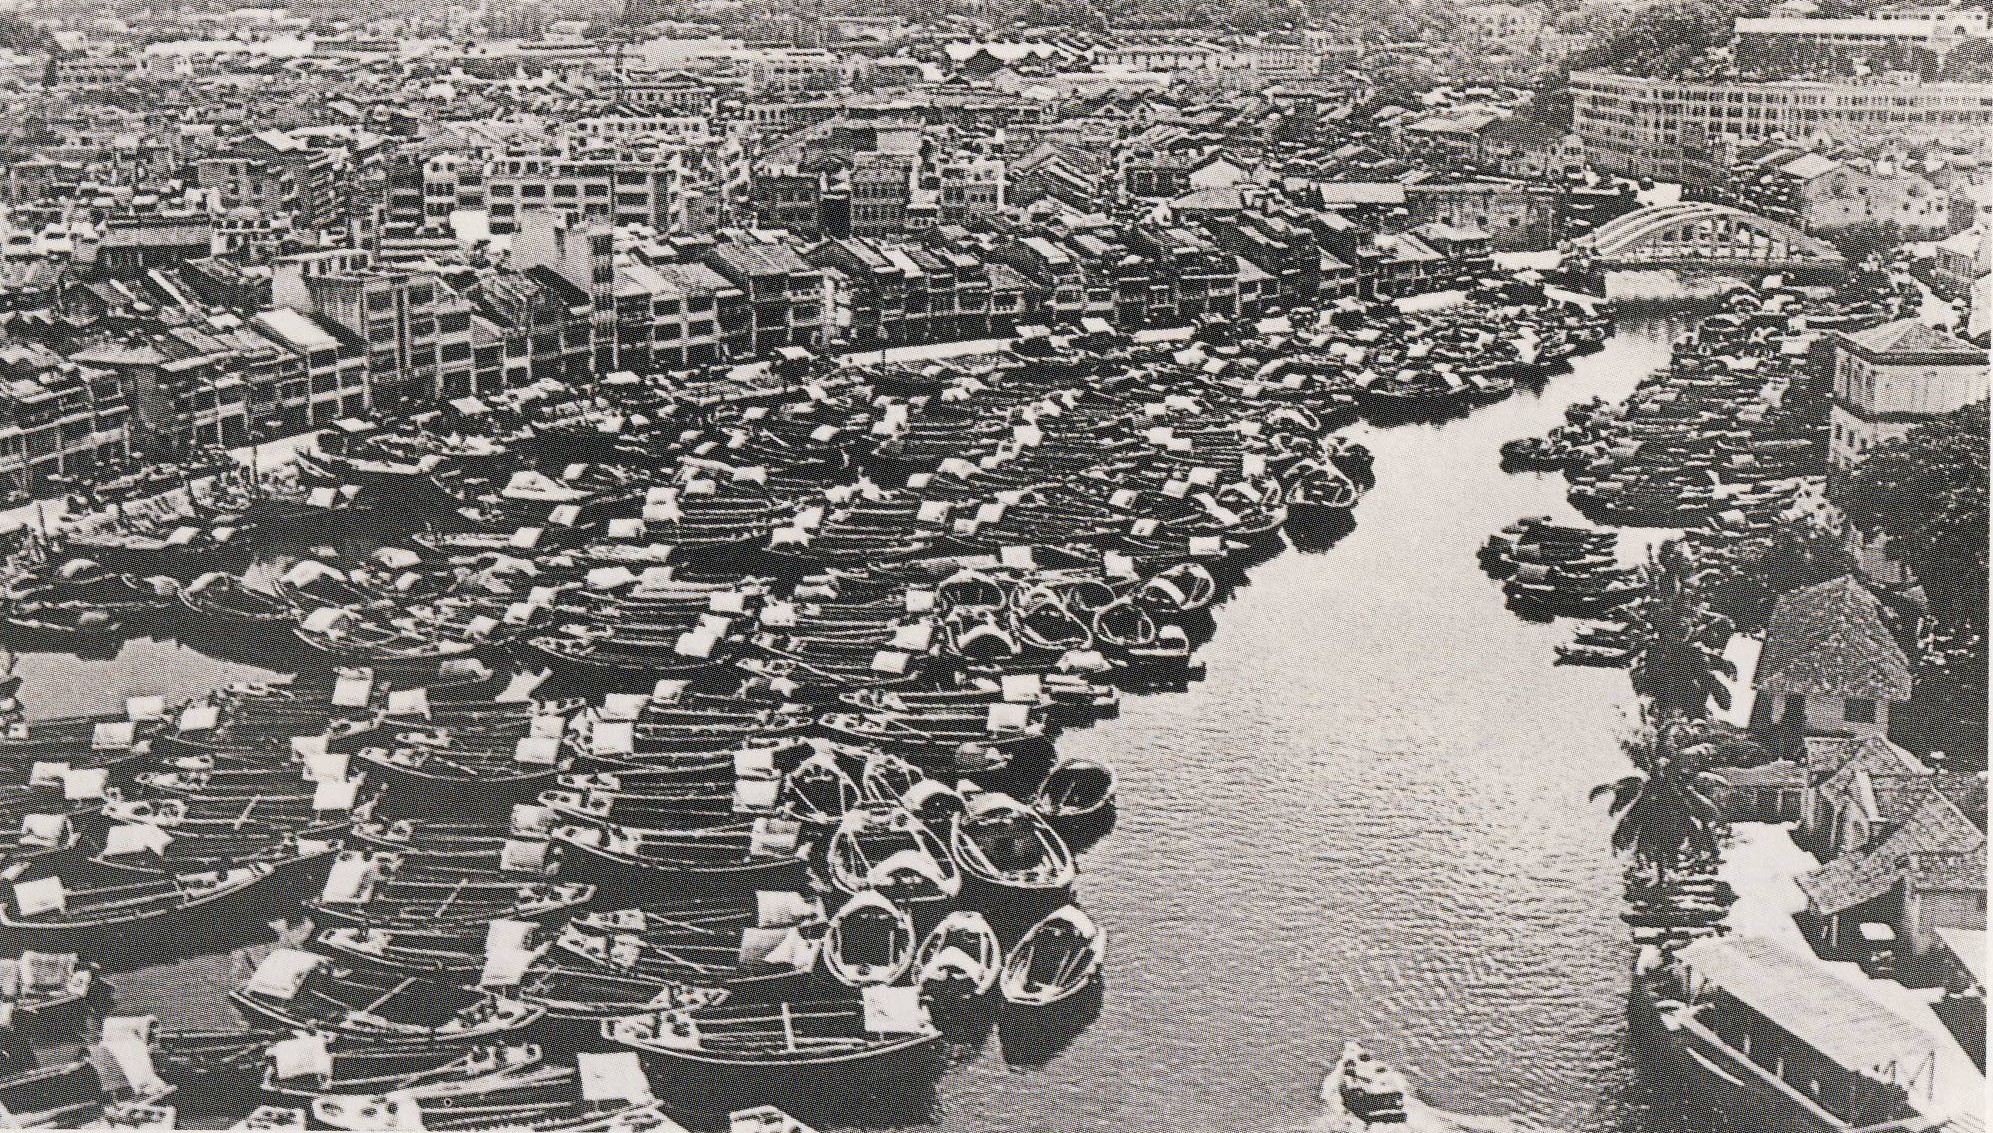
(1832,1017)
(1806,167)
(1969,945)
(1908,336)
(295,329)
(1360,193)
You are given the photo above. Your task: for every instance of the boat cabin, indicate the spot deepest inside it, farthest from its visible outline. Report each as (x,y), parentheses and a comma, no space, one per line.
(1770,1033)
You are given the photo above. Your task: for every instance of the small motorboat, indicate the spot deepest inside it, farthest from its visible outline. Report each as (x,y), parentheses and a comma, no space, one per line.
(960,960)
(1360,1092)
(1055,961)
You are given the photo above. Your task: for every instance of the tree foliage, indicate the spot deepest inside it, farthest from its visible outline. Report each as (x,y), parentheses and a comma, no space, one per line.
(1744,585)
(1677,640)
(1666,808)
(1927,493)
(1662,39)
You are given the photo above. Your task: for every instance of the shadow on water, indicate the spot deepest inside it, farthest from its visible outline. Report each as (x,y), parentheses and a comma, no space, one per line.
(1032,1037)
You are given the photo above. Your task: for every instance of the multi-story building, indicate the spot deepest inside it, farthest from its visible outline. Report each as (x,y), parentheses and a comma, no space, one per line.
(1821,194)
(57,418)
(971,187)
(1909,41)
(333,367)
(274,173)
(785,293)
(1890,378)
(671,93)
(415,327)
(136,241)
(1651,127)
(881,192)
(782,71)
(668,315)
(617,188)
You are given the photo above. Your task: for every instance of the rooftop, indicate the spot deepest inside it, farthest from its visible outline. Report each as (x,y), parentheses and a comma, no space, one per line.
(1830,640)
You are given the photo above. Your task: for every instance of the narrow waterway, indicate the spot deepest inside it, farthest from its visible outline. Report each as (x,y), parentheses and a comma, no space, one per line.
(1368,822)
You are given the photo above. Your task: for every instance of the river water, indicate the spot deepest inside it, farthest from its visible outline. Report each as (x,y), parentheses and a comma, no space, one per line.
(1368,822)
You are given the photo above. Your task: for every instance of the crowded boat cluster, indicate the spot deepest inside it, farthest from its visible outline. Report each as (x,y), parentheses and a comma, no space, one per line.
(1723,445)
(1723,430)
(625,726)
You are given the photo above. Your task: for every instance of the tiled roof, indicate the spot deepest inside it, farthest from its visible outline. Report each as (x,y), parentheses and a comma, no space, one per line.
(1778,773)
(1966,871)
(1830,640)
(1937,828)
(1826,755)
(1908,336)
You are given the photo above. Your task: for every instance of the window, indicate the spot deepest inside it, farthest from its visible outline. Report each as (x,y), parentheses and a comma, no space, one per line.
(1859,711)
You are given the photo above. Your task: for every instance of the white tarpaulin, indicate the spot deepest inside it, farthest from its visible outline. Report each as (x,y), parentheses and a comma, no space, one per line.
(894,1010)
(283,972)
(614,1077)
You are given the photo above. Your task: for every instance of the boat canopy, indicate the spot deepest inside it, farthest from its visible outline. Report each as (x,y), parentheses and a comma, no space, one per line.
(1825,1013)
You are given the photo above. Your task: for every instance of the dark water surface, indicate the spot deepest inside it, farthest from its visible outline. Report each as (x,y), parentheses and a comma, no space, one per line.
(1368,822)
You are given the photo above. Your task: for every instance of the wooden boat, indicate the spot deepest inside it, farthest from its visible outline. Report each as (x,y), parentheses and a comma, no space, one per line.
(219,604)
(761,852)
(53,916)
(818,791)
(385,890)
(580,990)
(1360,1092)
(884,847)
(870,941)
(1011,849)
(539,1111)
(887,778)
(882,1034)
(1057,958)
(936,804)
(449,952)
(45,991)
(1075,789)
(95,1091)
(960,959)
(760,949)
(304,990)
(306,1066)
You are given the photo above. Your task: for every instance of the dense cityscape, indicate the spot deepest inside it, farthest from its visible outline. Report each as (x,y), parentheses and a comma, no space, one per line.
(660,565)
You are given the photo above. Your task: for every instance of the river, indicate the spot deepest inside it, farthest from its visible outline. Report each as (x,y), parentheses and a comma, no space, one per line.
(1369,821)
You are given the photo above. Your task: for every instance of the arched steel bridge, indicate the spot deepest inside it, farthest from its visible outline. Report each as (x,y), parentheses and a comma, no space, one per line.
(1698,234)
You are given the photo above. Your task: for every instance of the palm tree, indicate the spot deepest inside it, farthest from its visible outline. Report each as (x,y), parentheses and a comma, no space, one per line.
(1677,641)
(1666,814)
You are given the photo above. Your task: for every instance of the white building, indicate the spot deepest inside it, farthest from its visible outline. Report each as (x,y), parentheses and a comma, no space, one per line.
(1890,378)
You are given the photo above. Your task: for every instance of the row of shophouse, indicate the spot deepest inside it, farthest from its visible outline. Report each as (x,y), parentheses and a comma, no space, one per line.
(165,357)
